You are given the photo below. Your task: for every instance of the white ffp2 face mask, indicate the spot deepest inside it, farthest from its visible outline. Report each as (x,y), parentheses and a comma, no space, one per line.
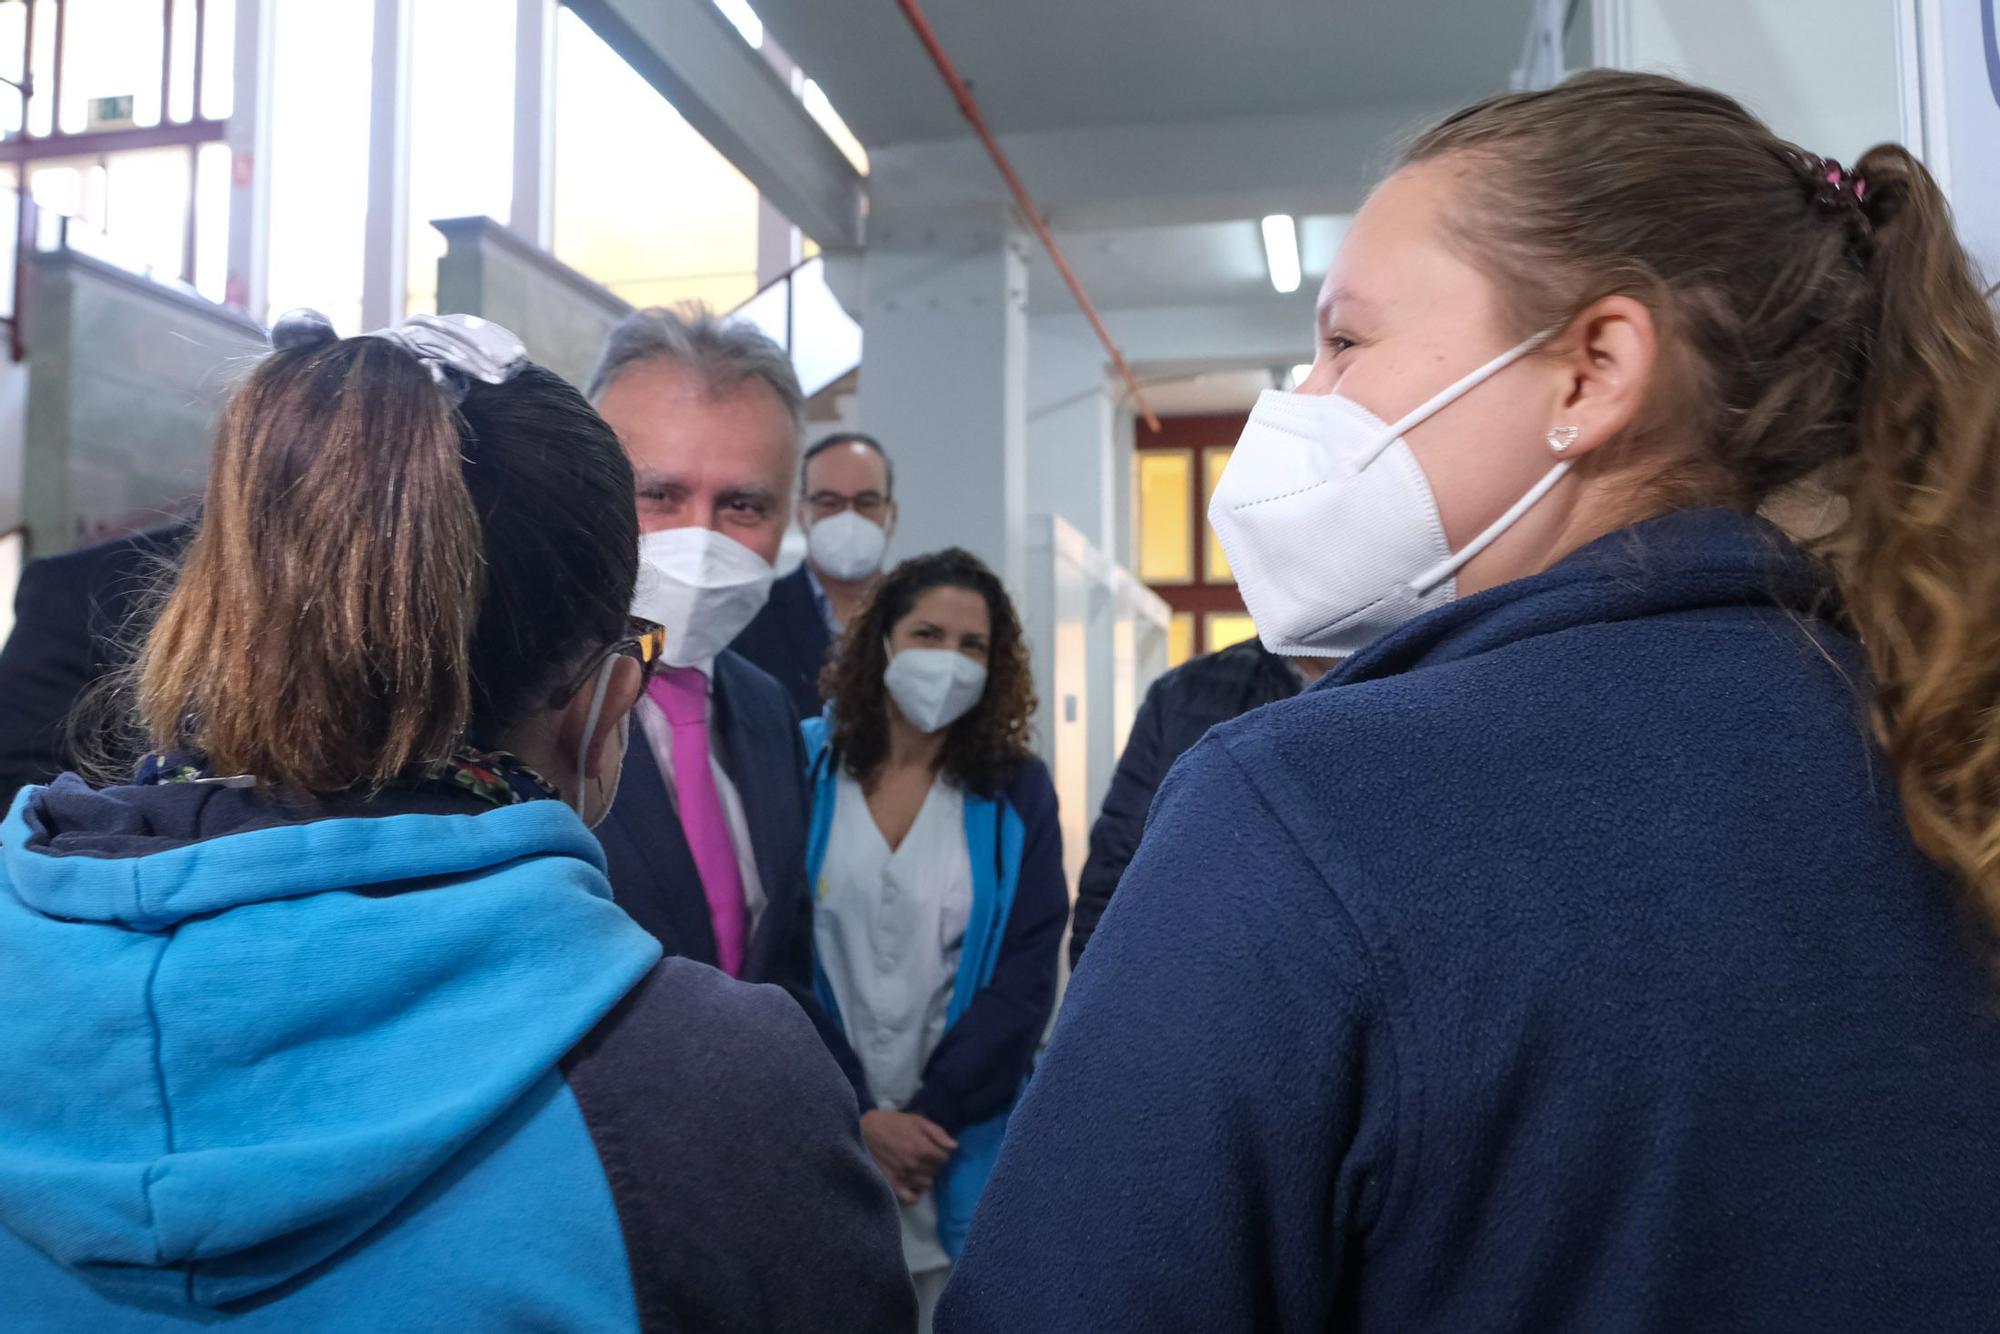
(702,586)
(847,546)
(1330,524)
(934,687)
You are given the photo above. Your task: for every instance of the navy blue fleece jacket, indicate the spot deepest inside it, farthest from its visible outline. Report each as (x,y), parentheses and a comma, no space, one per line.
(1564,963)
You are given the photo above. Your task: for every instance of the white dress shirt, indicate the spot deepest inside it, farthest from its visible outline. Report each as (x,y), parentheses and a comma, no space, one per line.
(659,735)
(890,929)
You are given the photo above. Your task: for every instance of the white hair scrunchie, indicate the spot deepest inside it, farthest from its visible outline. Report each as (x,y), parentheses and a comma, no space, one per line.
(455,349)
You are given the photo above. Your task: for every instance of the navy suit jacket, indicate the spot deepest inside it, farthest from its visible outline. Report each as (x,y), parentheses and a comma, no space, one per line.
(652,870)
(789,639)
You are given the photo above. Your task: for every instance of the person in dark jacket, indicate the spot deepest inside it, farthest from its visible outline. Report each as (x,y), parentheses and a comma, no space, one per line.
(1608,944)
(327,1020)
(706,842)
(76,616)
(847,506)
(1179,707)
(939,894)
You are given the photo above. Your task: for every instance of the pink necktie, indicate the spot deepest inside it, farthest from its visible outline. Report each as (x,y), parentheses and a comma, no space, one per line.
(682,694)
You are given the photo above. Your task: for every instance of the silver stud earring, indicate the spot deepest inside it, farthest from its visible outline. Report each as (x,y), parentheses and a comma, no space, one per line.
(1560,438)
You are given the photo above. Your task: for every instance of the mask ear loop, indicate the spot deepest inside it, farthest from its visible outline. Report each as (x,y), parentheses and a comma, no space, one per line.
(597,694)
(1451,565)
(1450,394)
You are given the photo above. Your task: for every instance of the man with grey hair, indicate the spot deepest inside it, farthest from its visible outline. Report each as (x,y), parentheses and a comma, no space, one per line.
(710,413)
(705,843)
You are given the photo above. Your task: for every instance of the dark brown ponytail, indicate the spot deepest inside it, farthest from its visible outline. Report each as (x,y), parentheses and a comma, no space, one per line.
(1829,332)
(378,578)
(317,637)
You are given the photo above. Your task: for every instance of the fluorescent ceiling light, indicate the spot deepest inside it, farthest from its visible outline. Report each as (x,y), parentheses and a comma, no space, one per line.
(1281,251)
(745,18)
(821,110)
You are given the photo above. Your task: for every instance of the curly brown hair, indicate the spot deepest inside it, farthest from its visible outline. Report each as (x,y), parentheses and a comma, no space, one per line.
(984,748)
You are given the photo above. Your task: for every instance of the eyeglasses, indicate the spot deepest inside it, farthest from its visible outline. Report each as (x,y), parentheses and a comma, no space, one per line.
(645,643)
(826,504)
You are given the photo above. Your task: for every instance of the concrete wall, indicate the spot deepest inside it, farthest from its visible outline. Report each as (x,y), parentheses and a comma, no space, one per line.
(944,376)
(125,378)
(1824,74)
(13,442)
(562,316)
(1071,430)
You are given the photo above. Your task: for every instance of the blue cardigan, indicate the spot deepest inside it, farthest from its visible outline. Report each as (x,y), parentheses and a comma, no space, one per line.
(1006,980)
(1564,963)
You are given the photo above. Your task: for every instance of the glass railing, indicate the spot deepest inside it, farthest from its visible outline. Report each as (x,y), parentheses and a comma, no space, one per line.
(799,312)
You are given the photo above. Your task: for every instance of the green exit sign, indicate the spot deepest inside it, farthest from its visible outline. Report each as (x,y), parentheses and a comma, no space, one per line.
(107,111)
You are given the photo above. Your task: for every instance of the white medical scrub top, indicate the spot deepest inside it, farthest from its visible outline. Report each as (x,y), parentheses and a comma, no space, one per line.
(890,927)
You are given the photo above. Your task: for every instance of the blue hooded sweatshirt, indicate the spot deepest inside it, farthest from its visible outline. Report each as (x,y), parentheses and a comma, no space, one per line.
(365,1072)
(1564,963)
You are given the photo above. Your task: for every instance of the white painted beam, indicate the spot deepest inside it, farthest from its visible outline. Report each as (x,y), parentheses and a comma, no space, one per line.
(532,211)
(689,52)
(385,246)
(249,141)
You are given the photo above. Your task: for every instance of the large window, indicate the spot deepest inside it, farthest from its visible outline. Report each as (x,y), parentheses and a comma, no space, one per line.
(121,129)
(1179,556)
(112,52)
(461,127)
(322,58)
(132,209)
(1166,516)
(643,204)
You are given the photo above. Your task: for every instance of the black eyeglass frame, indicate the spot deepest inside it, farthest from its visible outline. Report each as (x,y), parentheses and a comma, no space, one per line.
(871,504)
(645,645)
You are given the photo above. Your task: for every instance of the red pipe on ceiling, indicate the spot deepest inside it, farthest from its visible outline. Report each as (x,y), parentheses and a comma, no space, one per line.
(970,109)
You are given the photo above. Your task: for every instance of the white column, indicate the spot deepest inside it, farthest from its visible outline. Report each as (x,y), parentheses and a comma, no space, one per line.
(1124,547)
(778,248)
(1951,111)
(1072,419)
(944,375)
(386,234)
(533,215)
(250,156)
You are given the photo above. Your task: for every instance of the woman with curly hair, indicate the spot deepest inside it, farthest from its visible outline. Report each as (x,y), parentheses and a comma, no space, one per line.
(940,898)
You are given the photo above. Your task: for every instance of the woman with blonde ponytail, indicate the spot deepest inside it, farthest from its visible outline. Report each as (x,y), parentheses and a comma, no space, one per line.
(326,1020)
(1611,943)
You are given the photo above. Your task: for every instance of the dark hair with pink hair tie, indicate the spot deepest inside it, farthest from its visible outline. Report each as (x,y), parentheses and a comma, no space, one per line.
(1834,186)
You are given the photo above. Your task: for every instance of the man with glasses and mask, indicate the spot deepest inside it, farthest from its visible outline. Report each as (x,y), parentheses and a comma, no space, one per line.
(848,511)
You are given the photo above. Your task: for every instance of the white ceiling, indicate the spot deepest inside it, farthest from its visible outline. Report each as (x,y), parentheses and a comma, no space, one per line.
(1124,267)
(1155,132)
(1060,64)
(1195,264)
